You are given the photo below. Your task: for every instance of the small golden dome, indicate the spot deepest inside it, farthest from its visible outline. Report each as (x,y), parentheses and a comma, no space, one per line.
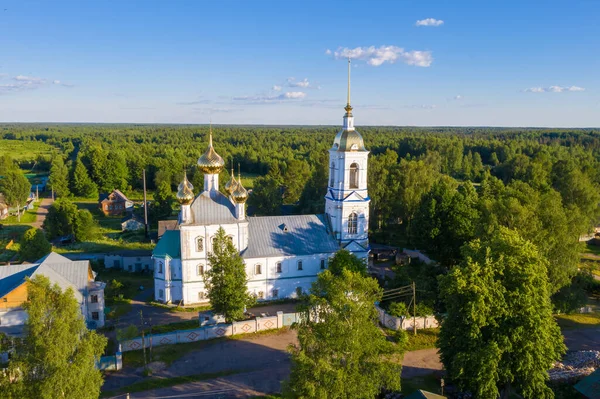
(231,185)
(185,193)
(240,195)
(210,162)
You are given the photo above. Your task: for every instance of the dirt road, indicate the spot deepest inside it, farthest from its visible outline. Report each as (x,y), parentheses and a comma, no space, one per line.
(42,211)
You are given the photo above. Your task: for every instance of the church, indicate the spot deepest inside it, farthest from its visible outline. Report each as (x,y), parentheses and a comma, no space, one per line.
(283,254)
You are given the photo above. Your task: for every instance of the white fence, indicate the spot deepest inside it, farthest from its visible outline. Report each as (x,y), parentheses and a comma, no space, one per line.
(405,323)
(212,331)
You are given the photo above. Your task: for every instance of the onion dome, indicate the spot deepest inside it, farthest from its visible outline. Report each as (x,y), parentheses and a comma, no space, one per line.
(348,140)
(210,162)
(185,193)
(231,185)
(240,195)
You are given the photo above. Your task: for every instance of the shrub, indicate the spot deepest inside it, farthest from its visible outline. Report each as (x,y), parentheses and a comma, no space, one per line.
(398,309)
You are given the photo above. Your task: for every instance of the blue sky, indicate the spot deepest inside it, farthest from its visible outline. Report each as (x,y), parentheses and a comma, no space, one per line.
(492,63)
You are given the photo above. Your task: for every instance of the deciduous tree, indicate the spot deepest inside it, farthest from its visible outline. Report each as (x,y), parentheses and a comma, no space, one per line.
(16,188)
(226,279)
(34,245)
(499,332)
(61,218)
(57,358)
(341,352)
(59,177)
(346,260)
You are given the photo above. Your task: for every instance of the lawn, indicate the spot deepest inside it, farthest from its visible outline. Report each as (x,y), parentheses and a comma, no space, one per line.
(424,339)
(578,320)
(28,217)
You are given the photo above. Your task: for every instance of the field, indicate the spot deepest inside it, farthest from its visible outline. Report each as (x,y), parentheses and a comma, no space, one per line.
(25,150)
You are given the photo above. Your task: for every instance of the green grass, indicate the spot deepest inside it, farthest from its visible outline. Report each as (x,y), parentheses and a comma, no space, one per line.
(424,339)
(162,382)
(118,307)
(25,150)
(28,217)
(427,383)
(578,320)
(182,309)
(180,325)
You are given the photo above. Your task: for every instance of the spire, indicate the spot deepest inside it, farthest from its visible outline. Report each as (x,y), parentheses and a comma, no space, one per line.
(348,107)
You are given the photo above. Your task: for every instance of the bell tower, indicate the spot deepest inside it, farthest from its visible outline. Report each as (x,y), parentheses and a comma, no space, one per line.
(347,199)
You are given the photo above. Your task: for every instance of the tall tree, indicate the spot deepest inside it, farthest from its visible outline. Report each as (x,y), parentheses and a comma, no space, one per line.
(499,332)
(341,352)
(34,245)
(16,188)
(266,198)
(83,185)
(57,358)
(296,175)
(61,218)
(59,177)
(86,228)
(346,260)
(312,199)
(116,173)
(226,279)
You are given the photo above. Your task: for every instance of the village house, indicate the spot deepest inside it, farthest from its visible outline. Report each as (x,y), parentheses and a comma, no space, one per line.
(77,275)
(131,261)
(115,203)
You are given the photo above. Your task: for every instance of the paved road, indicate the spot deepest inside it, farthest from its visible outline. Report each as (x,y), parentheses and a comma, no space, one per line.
(42,211)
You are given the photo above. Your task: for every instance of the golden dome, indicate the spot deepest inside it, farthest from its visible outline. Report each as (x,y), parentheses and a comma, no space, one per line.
(240,195)
(348,141)
(185,193)
(231,185)
(210,162)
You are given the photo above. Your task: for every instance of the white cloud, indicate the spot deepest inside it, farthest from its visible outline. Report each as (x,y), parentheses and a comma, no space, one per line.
(29,79)
(376,56)
(291,82)
(553,89)
(276,88)
(56,82)
(421,106)
(22,83)
(327,52)
(458,97)
(290,95)
(429,22)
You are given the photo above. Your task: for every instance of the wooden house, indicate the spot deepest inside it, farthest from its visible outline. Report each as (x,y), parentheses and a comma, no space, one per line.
(115,203)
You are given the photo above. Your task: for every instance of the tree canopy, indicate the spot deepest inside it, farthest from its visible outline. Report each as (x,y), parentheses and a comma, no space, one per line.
(341,352)
(34,245)
(499,331)
(226,279)
(57,358)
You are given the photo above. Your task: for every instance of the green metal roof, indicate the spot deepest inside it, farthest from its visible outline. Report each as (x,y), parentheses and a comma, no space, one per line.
(168,245)
(590,385)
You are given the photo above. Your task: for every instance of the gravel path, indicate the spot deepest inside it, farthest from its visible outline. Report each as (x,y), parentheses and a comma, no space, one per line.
(42,211)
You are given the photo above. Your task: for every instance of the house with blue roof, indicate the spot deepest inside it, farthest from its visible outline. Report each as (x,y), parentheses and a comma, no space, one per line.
(283,254)
(77,275)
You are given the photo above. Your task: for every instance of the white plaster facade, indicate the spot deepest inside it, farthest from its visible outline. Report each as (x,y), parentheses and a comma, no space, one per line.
(284,254)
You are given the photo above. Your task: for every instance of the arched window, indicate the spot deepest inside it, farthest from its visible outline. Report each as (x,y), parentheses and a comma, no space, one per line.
(278,267)
(352,223)
(299,265)
(160,267)
(331,175)
(354,175)
(201,270)
(199,244)
(257,269)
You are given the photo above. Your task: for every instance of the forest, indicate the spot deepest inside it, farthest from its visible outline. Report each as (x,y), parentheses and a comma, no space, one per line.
(434,189)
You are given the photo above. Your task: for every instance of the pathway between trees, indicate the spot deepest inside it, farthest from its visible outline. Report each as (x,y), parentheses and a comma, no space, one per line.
(42,211)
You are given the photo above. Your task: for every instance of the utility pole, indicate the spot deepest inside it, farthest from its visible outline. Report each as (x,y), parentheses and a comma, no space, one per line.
(414,290)
(145,204)
(143,342)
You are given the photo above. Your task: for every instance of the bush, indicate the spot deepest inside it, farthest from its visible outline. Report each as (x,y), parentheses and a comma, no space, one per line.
(424,310)
(34,245)
(401,338)
(129,332)
(398,309)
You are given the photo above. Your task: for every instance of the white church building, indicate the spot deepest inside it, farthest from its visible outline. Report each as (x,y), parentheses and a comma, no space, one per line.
(283,254)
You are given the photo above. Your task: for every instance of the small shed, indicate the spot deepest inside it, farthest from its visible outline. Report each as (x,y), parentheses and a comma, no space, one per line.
(132,222)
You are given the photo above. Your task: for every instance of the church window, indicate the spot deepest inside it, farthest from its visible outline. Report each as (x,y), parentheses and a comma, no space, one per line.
(161,293)
(275,293)
(200,270)
(331,175)
(261,295)
(199,244)
(257,269)
(354,175)
(160,267)
(299,265)
(322,264)
(278,267)
(352,223)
